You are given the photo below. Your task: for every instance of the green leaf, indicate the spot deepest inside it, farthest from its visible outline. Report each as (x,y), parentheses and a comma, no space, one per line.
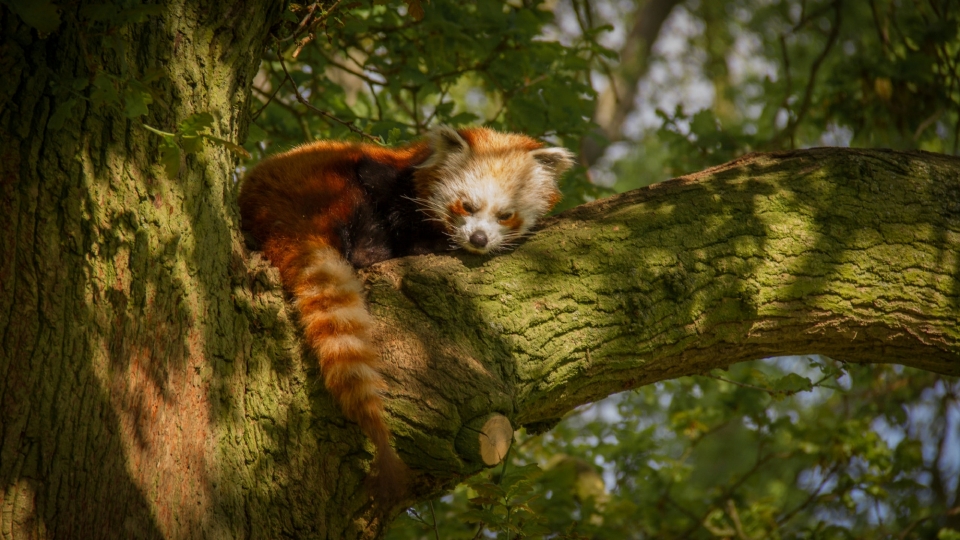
(256,134)
(192,145)
(104,91)
(64,110)
(43,15)
(475,515)
(388,130)
(792,383)
(195,124)
(170,157)
(136,102)
(489,490)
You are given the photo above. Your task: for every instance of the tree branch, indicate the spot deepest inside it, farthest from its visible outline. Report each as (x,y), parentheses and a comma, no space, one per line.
(847,253)
(791,128)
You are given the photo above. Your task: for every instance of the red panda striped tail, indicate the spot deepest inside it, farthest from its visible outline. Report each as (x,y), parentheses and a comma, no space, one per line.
(338,328)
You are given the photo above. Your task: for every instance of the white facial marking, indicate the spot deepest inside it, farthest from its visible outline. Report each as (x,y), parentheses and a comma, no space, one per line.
(481,231)
(491,195)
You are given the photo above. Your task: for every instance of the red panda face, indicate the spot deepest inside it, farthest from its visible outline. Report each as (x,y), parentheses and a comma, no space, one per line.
(490,188)
(483,219)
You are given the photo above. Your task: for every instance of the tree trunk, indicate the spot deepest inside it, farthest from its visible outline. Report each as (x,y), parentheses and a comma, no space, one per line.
(142,394)
(153,385)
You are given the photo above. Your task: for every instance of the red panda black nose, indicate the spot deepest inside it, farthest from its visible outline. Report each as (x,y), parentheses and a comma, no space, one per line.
(479,239)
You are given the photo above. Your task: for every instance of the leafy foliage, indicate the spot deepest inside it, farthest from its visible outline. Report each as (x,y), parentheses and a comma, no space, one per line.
(797,74)
(190,135)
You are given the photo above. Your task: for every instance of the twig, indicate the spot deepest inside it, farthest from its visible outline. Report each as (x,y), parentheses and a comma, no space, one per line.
(303,22)
(743,385)
(325,114)
(951,512)
(772,392)
(311,34)
(416,109)
(927,123)
(376,100)
(361,76)
(735,517)
(813,496)
(269,99)
(791,128)
(308,21)
(787,79)
(297,115)
(881,32)
(443,94)
(805,18)
(761,460)
(503,472)
(681,509)
(433,514)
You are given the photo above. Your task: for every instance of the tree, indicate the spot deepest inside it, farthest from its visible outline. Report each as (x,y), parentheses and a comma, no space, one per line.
(153,381)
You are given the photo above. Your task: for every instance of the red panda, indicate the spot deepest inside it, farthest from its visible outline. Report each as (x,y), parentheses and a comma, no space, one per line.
(323,209)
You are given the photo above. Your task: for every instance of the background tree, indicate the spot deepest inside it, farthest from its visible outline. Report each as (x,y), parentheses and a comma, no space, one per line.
(154,386)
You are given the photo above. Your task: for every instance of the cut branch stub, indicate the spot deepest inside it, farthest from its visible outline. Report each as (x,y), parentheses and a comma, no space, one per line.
(486,439)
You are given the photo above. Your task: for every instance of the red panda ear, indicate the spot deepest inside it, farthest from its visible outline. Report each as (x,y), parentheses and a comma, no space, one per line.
(444,140)
(556,160)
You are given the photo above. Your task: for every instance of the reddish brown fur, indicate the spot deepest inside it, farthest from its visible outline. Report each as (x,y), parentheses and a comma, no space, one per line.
(484,139)
(293,204)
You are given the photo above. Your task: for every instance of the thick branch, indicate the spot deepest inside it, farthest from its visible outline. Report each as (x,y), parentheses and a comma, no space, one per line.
(848,253)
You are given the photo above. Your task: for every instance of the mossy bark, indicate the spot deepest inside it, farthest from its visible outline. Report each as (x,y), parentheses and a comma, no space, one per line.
(153,384)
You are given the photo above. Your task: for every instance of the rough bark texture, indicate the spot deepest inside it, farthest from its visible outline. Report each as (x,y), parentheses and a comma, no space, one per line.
(152,384)
(136,400)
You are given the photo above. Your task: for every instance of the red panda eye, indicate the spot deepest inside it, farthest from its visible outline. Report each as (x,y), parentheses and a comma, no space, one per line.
(468,208)
(503,216)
